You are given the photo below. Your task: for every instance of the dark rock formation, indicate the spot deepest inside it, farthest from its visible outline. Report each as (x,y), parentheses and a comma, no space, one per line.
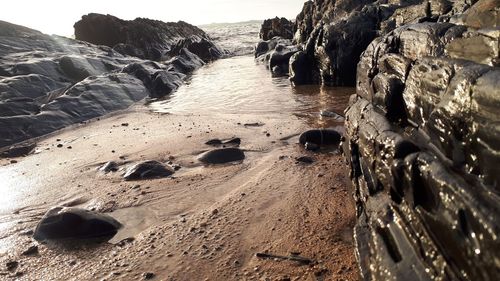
(320,137)
(331,35)
(422,140)
(62,223)
(147,170)
(145,38)
(280,27)
(50,82)
(276,54)
(222,156)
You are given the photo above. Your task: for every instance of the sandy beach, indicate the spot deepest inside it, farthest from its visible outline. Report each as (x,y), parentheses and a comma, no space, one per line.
(205,222)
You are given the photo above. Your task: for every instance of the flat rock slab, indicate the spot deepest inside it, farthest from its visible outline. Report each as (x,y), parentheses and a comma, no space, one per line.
(222,156)
(320,137)
(61,223)
(147,170)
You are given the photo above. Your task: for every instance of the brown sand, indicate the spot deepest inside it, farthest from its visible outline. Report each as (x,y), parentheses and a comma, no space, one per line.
(205,223)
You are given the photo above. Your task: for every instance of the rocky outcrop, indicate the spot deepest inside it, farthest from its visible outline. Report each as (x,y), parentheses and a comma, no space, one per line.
(331,35)
(280,27)
(145,38)
(422,135)
(50,82)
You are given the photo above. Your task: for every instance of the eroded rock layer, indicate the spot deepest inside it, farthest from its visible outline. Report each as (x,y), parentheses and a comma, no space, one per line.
(422,141)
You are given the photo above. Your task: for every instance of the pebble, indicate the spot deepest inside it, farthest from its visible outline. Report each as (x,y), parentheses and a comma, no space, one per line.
(148,275)
(12,265)
(59,145)
(31,251)
(305,159)
(13,161)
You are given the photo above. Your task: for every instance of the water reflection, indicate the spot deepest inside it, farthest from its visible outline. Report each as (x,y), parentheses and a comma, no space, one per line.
(313,99)
(240,86)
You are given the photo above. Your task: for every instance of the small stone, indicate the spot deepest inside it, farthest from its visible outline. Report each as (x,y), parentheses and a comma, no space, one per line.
(60,145)
(70,147)
(13,161)
(305,159)
(11,265)
(125,124)
(31,251)
(215,212)
(148,275)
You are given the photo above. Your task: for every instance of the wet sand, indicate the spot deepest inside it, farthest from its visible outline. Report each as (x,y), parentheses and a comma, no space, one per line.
(205,222)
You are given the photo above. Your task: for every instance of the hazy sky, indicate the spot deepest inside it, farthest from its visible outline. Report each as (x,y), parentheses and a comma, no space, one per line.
(58,16)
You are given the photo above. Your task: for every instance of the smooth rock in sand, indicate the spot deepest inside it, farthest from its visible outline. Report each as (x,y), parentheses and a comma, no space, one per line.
(110,166)
(147,170)
(75,223)
(217,142)
(221,156)
(320,137)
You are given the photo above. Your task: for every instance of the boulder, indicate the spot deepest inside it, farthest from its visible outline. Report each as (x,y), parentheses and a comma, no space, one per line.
(222,156)
(320,137)
(63,223)
(147,170)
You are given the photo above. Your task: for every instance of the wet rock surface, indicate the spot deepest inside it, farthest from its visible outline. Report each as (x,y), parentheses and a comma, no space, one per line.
(63,223)
(280,27)
(222,156)
(320,137)
(147,170)
(420,140)
(49,82)
(330,36)
(276,54)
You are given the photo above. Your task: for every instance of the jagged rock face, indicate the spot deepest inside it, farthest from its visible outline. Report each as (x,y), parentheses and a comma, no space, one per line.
(145,38)
(421,138)
(335,33)
(50,82)
(280,27)
(327,11)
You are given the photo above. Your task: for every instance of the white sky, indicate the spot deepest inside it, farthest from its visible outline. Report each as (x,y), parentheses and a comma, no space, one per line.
(58,16)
